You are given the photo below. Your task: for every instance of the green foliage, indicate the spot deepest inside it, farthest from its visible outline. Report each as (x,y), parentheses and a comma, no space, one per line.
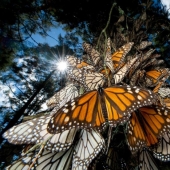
(6,57)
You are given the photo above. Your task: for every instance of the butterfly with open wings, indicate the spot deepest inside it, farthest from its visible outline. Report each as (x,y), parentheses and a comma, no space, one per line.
(86,111)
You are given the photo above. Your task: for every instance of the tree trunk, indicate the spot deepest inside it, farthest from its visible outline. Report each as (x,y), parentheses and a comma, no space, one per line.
(20,112)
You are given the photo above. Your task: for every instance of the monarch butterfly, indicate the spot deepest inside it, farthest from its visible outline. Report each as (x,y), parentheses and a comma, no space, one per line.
(119,55)
(162,151)
(121,73)
(87,148)
(155,55)
(146,160)
(63,96)
(160,84)
(152,77)
(46,160)
(90,80)
(94,54)
(81,153)
(118,77)
(140,62)
(114,161)
(165,102)
(108,57)
(136,78)
(160,62)
(85,75)
(35,131)
(164,92)
(144,44)
(146,125)
(75,62)
(151,62)
(86,111)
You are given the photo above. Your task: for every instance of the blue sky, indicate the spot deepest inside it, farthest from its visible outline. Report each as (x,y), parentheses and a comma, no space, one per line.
(166,2)
(54,32)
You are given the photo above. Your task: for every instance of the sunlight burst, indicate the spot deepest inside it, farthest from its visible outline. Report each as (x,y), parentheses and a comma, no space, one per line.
(62,66)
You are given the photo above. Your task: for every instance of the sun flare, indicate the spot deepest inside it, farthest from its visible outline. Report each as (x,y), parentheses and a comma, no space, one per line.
(62,66)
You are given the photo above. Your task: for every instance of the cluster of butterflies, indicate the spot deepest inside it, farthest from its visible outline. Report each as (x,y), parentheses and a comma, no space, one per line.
(105,95)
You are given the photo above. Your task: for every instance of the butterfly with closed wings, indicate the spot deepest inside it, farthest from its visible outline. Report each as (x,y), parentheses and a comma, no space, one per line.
(118,56)
(43,161)
(60,98)
(162,150)
(146,160)
(81,153)
(152,77)
(93,53)
(35,132)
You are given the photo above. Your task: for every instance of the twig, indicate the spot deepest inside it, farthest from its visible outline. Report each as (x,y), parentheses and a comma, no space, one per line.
(105,35)
(107,24)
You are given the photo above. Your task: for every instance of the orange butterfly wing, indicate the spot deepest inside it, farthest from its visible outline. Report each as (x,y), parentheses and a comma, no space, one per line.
(165,102)
(77,63)
(105,72)
(135,135)
(146,126)
(84,111)
(119,55)
(161,83)
(154,76)
(121,101)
